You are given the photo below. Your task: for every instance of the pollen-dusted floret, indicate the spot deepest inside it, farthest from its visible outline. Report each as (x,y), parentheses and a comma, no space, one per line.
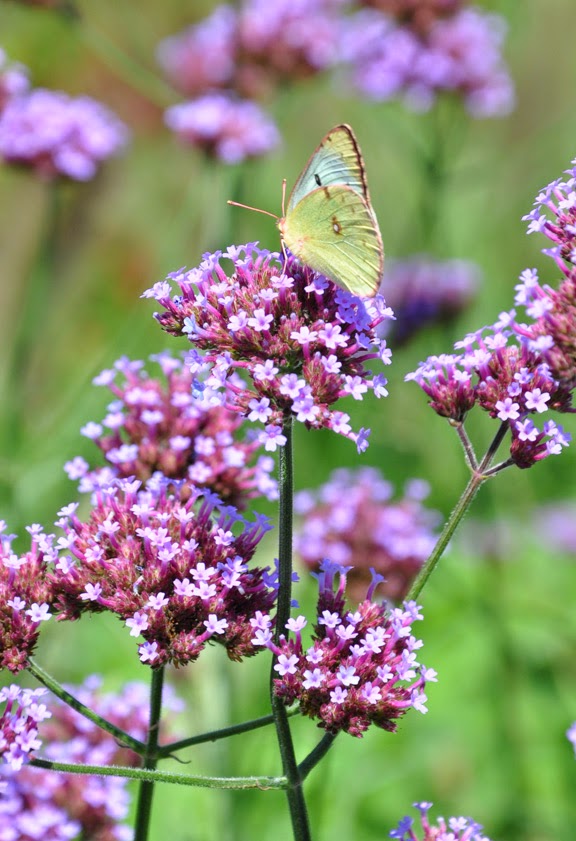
(301,341)
(361,666)
(25,596)
(354,520)
(176,572)
(157,424)
(454,829)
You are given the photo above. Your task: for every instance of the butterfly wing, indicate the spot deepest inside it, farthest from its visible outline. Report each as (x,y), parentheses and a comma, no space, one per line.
(334,231)
(337,160)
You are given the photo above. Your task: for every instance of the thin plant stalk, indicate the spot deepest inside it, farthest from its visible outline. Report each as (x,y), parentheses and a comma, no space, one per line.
(294,792)
(150,758)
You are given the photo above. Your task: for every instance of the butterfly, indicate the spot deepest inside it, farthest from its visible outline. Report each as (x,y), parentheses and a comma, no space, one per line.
(329,224)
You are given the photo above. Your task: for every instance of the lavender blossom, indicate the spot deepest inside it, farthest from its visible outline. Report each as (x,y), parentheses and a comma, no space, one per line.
(58,135)
(157,424)
(176,573)
(353,520)
(571,735)
(454,829)
(19,726)
(354,672)
(519,371)
(224,127)
(300,340)
(37,803)
(25,596)
(254,48)
(13,80)
(424,291)
(460,55)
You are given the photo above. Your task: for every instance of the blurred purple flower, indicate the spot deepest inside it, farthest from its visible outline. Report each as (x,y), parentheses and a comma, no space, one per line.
(460,55)
(419,15)
(300,340)
(224,127)
(13,79)
(555,526)
(424,291)
(38,803)
(157,424)
(58,135)
(571,735)
(251,49)
(454,829)
(353,520)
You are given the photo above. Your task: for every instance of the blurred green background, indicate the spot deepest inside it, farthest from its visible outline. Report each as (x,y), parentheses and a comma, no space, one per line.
(499,627)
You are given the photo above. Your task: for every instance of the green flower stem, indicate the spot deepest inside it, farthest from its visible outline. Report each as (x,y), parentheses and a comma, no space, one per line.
(154,776)
(123,739)
(477,479)
(224,733)
(294,792)
(466,445)
(316,755)
(150,757)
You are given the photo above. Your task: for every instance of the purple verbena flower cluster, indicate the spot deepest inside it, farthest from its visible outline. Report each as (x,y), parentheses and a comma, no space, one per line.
(251,49)
(353,520)
(424,291)
(59,135)
(13,80)
(25,596)
(38,804)
(173,571)
(513,370)
(224,127)
(571,735)
(459,54)
(301,340)
(455,829)
(354,672)
(156,424)
(19,726)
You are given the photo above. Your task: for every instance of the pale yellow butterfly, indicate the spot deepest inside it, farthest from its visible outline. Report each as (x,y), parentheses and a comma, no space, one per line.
(329,224)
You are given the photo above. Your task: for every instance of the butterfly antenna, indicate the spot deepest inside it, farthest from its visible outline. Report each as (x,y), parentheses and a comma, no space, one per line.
(255,209)
(283,196)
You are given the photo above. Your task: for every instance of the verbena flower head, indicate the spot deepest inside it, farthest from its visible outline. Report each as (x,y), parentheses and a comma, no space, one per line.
(459,55)
(301,341)
(360,668)
(553,311)
(224,127)
(19,720)
(157,424)
(424,291)
(25,596)
(59,135)
(13,79)
(252,49)
(203,57)
(454,829)
(519,371)
(353,520)
(176,573)
(38,803)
